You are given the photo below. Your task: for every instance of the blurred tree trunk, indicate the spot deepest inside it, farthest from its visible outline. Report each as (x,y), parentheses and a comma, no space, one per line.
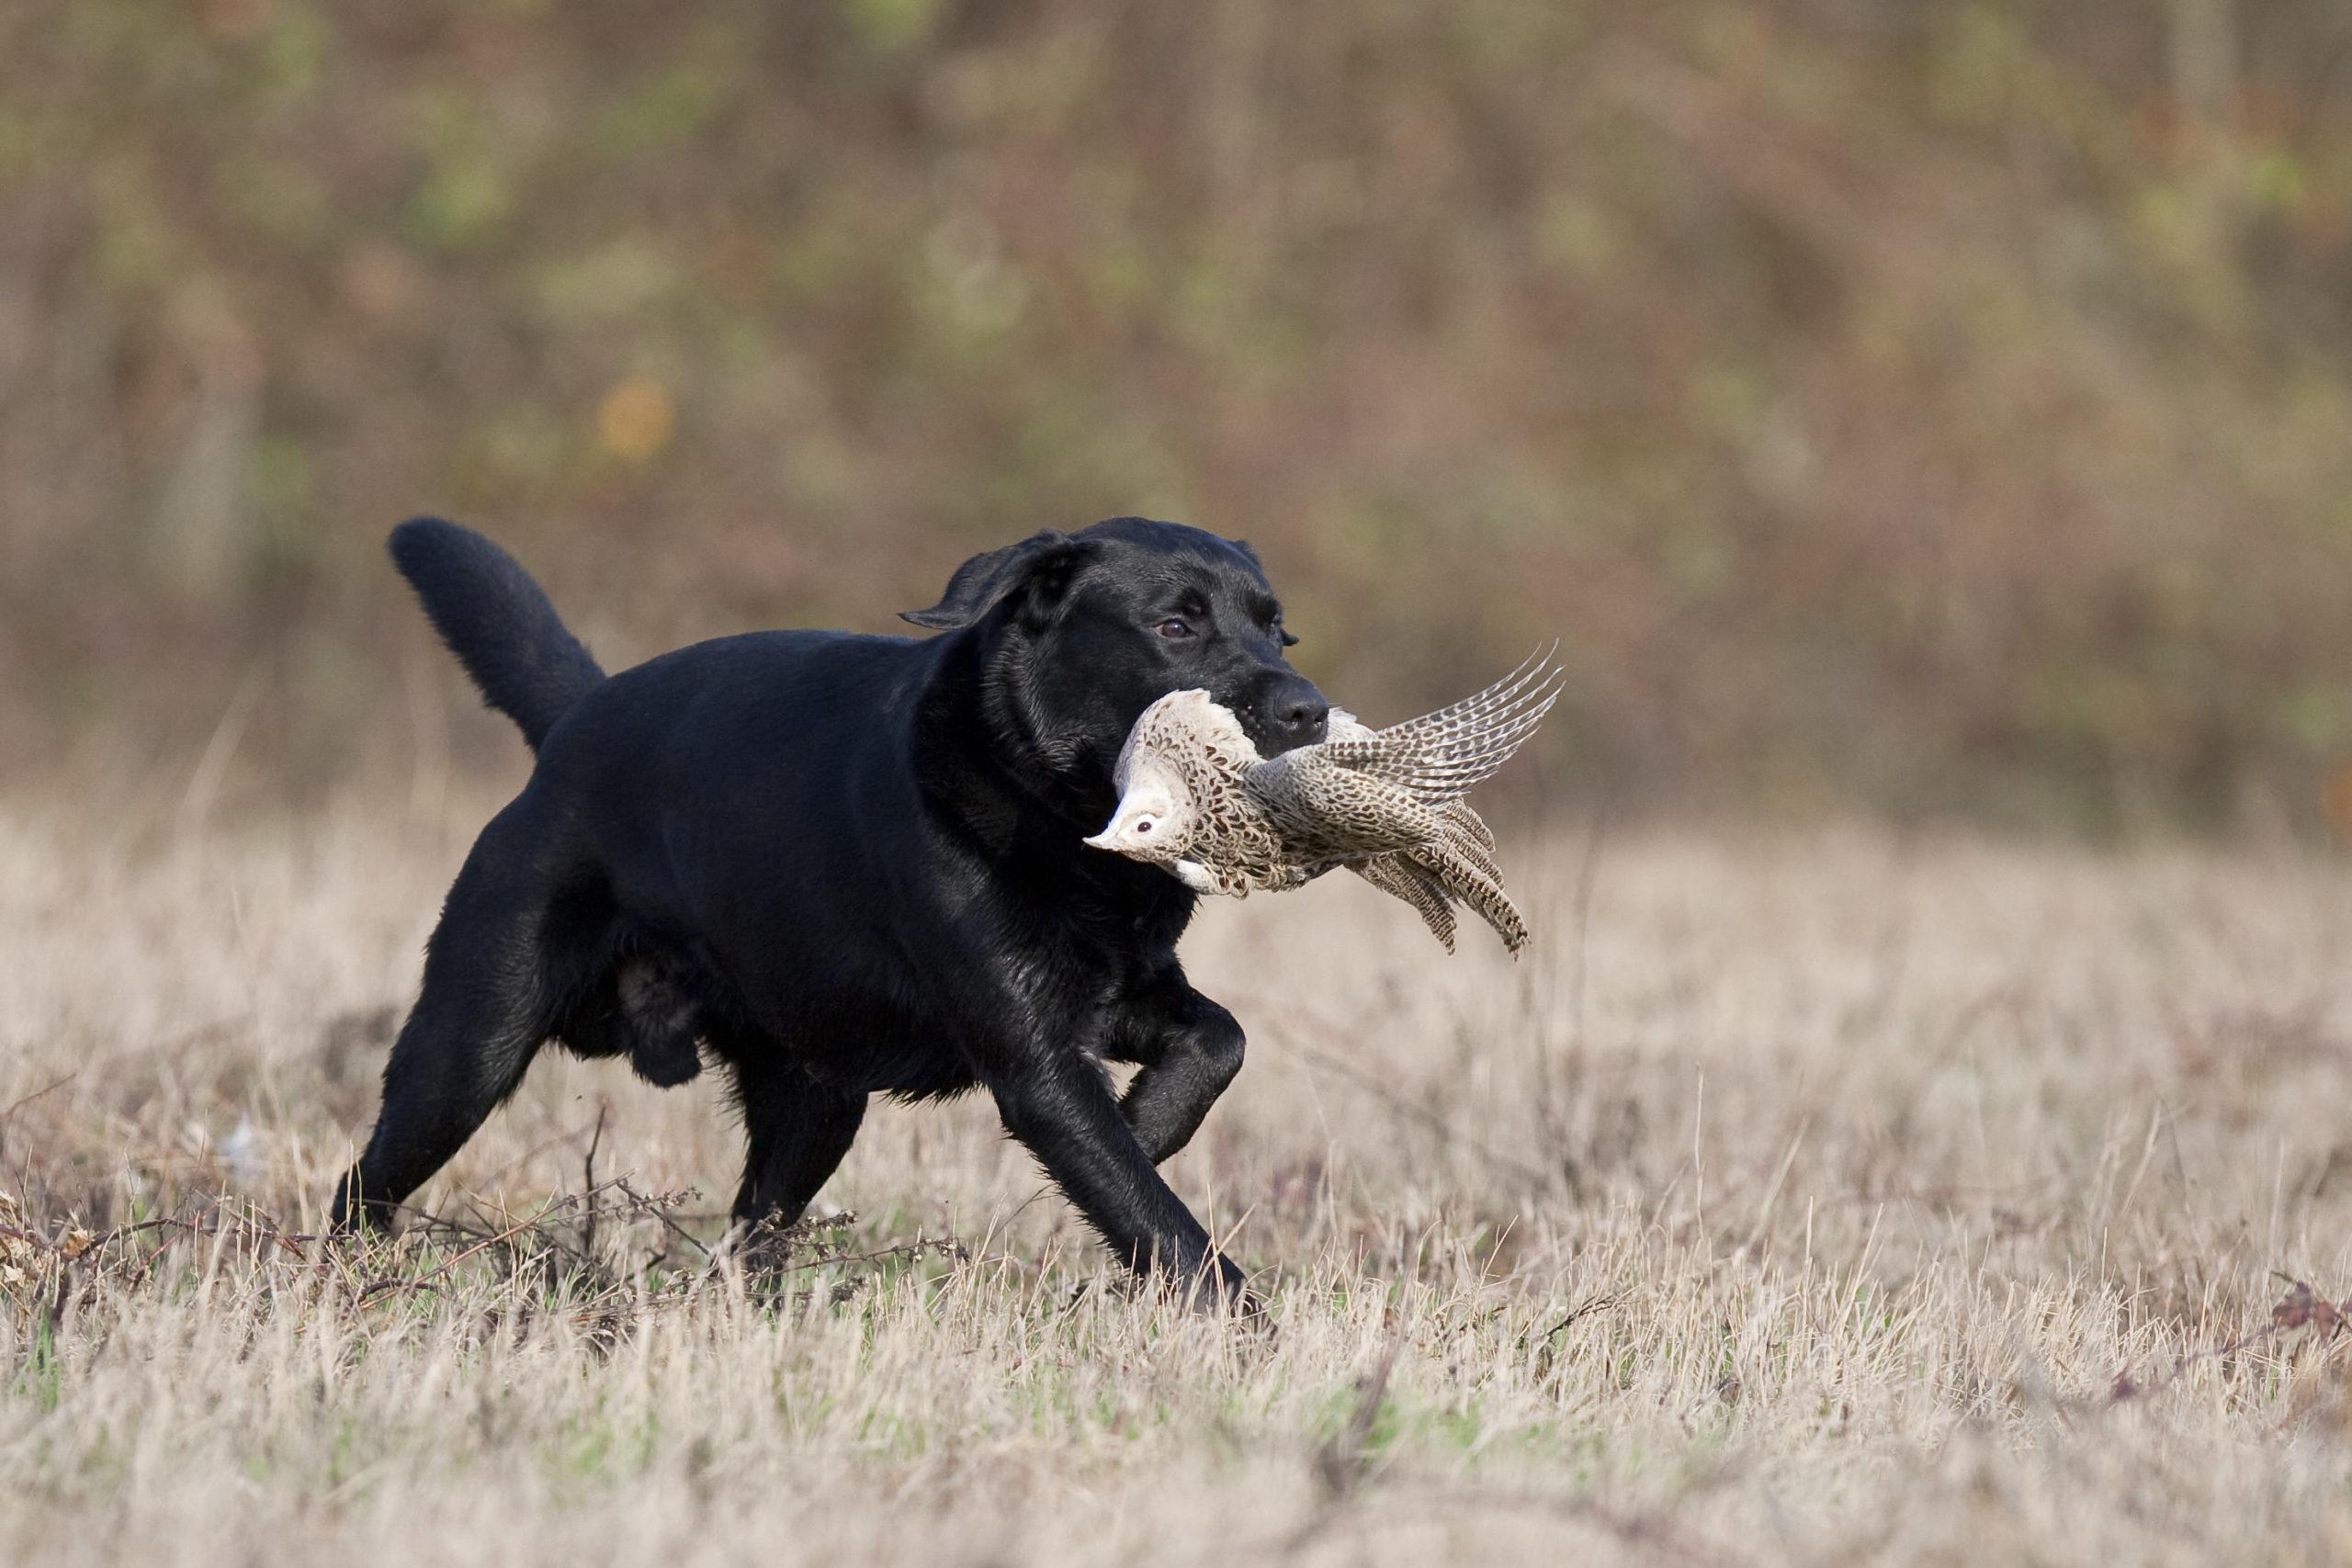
(2205,85)
(203,518)
(2205,63)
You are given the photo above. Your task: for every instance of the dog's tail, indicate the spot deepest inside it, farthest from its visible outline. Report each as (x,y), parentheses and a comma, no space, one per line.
(497,621)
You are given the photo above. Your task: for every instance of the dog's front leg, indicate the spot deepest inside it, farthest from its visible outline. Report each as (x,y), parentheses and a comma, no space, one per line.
(1189,1048)
(1055,1100)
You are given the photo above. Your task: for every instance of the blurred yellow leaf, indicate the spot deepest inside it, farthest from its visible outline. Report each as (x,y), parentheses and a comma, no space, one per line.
(636,418)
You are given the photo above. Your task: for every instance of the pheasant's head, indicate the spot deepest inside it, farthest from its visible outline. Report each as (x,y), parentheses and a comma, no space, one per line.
(1155,816)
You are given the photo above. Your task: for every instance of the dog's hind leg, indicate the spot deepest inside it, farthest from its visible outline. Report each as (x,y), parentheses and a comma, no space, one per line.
(798,1130)
(487,1002)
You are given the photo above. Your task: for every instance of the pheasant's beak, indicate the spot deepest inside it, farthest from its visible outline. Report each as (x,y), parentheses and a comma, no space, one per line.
(1108,838)
(1129,832)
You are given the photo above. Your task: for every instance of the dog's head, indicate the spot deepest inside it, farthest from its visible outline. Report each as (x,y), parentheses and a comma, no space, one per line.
(1086,631)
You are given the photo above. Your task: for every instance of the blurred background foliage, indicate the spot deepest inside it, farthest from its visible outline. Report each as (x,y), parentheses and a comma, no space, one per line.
(1922,406)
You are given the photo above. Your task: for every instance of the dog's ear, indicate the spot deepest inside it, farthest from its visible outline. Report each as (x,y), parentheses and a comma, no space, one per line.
(1038,568)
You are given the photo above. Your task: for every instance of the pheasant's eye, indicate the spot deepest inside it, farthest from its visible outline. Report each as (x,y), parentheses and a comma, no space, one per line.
(1175,627)
(1143,826)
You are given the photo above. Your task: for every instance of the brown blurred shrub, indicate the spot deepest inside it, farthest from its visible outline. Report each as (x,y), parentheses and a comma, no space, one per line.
(1929,406)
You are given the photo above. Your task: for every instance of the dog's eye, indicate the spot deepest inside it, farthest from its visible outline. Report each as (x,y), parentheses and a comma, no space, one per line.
(1176,627)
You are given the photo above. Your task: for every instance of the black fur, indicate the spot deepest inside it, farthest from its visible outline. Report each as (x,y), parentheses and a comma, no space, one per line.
(498,623)
(849,865)
(651,1013)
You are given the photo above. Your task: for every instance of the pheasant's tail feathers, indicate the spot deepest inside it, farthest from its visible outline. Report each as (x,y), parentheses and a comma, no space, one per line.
(1444,755)
(1469,879)
(1495,907)
(1401,879)
(1510,927)
(1467,834)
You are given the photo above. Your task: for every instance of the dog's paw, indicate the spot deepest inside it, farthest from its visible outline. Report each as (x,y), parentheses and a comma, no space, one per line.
(1223,1291)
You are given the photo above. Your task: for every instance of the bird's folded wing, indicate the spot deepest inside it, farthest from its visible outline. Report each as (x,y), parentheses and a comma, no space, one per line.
(1329,814)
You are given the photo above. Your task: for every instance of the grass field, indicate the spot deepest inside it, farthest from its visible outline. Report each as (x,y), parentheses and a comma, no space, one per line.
(1806,1198)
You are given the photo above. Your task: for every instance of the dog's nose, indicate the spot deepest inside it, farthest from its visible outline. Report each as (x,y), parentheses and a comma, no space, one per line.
(1286,711)
(1303,720)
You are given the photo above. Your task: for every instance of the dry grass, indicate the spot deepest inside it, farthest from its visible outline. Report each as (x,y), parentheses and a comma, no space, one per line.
(1827,1197)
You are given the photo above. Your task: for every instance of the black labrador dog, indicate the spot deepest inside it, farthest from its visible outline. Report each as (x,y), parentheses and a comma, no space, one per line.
(849,865)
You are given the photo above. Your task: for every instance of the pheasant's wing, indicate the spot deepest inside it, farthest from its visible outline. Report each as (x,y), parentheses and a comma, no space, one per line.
(1467,882)
(1443,755)
(1399,878)
(1467,742)
(1527,683)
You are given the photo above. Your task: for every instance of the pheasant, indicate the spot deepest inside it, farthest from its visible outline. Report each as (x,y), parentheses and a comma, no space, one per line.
(1197,798)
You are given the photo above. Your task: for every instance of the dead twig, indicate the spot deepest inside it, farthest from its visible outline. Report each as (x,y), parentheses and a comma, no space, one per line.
(36,1094)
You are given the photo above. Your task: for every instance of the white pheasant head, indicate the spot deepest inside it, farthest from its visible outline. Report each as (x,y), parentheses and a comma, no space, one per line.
(1170,749)
(1155,819)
